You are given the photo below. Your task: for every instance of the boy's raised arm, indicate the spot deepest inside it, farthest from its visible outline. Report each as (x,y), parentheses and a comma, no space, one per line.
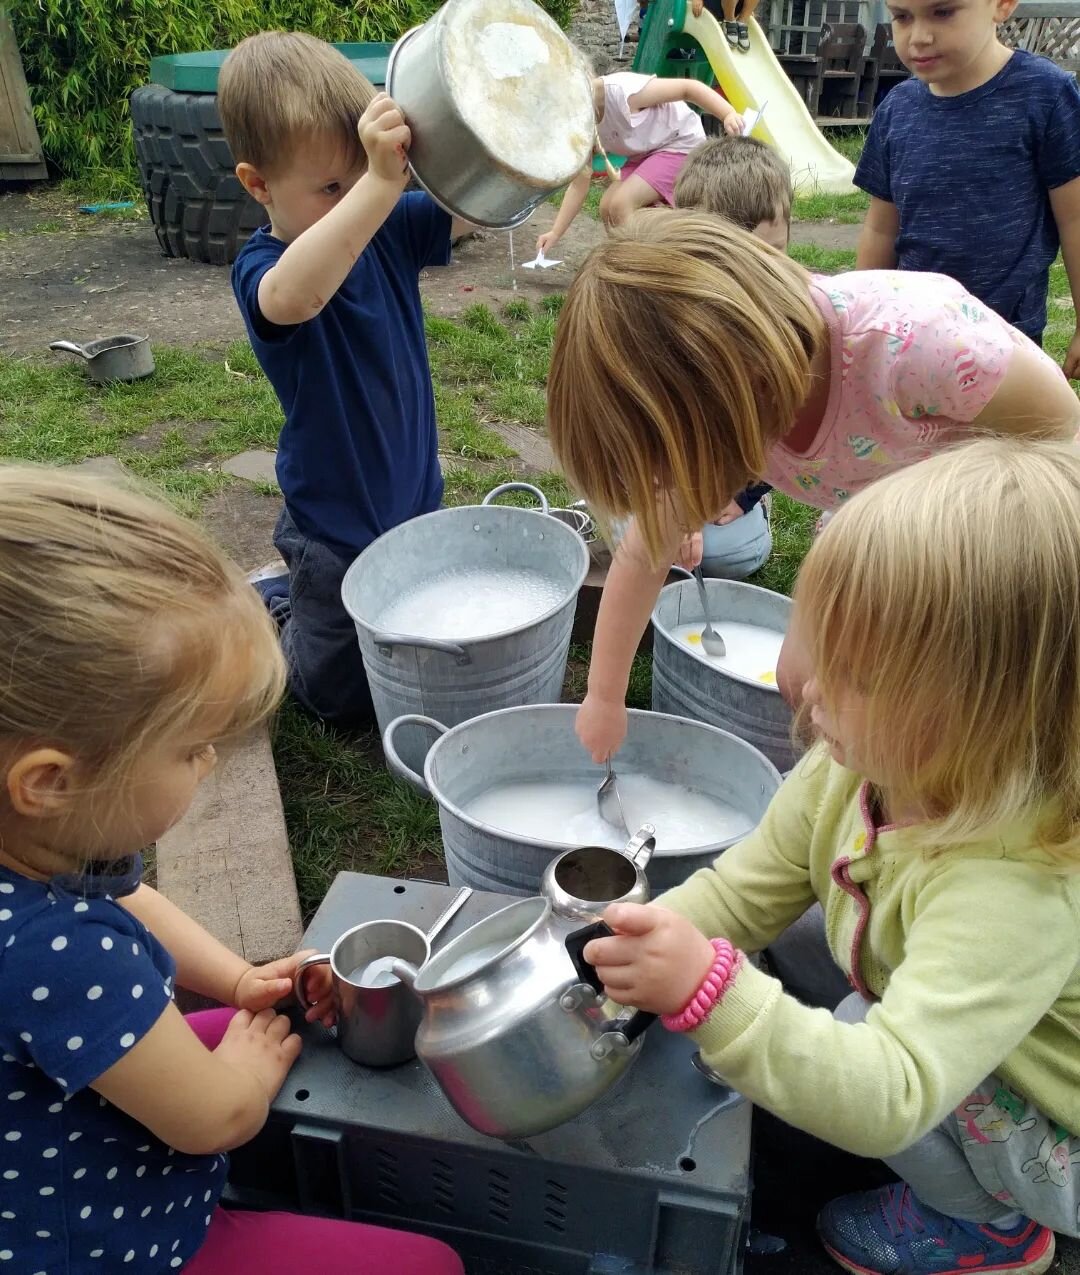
(317,262)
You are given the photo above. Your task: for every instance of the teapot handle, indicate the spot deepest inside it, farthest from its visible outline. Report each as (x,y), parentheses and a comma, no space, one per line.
(576,943)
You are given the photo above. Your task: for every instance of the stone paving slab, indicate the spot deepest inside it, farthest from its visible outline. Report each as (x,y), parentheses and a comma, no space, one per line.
(227,862)
(255,466)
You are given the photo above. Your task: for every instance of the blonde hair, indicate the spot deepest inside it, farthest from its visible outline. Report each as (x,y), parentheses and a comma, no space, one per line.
(121,624)
(737,178)
(948,595)
(683,353)
(279,90)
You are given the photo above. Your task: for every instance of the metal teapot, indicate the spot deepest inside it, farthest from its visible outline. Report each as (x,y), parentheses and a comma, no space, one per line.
(514,1027)
(579,884)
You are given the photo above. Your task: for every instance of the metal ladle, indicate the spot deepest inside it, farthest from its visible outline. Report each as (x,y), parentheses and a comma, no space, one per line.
(711,641)
(609,803)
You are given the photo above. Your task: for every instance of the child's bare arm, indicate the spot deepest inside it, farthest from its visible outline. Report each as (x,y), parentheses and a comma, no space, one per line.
(876,249)
(671,89)
(628,599)
(197,1101)
(1065,205)
(1033,398)
(573,199)
(316,263)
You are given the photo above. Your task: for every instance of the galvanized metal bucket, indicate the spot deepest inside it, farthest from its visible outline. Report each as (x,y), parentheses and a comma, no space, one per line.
(685,684)
(455,680)
(538,743)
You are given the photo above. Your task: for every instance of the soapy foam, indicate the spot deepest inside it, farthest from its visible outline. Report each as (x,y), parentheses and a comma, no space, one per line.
(567,812)
(752,650)
(472,602)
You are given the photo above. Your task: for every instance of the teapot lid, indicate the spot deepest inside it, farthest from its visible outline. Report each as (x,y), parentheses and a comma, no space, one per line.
(482,945)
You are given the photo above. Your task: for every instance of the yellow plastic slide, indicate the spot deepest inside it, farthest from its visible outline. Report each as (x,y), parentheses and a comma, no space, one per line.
(756,79)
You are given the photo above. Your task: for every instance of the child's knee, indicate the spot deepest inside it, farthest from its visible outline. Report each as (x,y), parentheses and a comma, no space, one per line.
(614,207)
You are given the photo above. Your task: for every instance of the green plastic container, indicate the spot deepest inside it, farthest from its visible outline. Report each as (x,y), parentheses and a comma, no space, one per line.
(198,72)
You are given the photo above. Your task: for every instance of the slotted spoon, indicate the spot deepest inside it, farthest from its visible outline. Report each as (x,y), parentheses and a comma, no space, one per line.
(609,803)
(711,641)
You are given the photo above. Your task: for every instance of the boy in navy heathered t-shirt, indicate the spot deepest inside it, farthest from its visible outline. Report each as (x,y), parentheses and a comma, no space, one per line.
(973,165)
(330,296)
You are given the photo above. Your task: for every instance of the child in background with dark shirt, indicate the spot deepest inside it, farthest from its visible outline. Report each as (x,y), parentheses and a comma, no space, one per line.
(330,296)
(973,165)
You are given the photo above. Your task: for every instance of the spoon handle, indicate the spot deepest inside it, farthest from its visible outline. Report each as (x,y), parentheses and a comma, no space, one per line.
(448,913)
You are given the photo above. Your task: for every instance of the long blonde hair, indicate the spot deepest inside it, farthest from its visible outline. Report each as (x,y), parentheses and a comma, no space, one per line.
(683,353)
(121,624)
(948,595)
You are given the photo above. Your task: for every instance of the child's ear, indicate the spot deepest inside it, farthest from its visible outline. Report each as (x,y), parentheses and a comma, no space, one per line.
(39,783)
(1003,10)
(254,183)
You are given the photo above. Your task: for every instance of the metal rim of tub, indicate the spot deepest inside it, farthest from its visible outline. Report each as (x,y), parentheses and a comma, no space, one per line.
(426,787)
(458,648)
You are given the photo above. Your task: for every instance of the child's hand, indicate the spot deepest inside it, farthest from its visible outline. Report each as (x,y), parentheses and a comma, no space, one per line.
(1071,366)
(318,988)
(601,726)
(546,243)
(656,961)
(690,551)
(730,513)
(262,986)
(260,1043)
(734,125)
(385,137)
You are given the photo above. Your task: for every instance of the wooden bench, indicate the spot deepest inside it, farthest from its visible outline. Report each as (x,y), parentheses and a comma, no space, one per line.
(883,70)
(829,81)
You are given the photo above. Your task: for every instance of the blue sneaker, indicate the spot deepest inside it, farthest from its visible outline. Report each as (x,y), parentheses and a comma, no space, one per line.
(891,1232)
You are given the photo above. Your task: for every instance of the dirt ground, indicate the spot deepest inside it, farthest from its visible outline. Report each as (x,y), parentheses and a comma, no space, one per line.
(76,277)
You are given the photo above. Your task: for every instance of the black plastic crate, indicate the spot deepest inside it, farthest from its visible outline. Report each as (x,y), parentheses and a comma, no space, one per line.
(654,1178)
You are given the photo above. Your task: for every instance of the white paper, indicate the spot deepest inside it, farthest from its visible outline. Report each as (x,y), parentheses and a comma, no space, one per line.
(751,118)
(625,12)
(540,262)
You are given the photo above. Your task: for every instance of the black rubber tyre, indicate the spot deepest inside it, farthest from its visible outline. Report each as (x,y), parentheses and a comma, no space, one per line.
(198,207)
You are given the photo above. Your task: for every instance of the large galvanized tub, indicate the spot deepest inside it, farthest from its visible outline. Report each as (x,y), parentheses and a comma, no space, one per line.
(686,684)
(456,680)
(538,743)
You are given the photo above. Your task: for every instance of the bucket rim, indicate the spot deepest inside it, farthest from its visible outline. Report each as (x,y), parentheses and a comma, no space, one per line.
(557,847)
(659,630)
(546,523)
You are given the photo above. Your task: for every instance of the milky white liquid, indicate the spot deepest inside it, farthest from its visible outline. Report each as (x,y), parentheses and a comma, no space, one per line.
(472,602)
(469,962)
(752,651)
(566,812)
(376,974)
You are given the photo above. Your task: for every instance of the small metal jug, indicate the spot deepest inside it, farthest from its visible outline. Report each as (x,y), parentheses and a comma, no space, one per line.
(580,884)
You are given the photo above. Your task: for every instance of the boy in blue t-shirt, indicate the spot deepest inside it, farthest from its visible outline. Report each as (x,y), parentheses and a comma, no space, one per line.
(973,165)
(331,299)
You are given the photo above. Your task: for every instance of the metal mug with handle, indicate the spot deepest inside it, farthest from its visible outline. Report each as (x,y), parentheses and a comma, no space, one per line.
(377,1017)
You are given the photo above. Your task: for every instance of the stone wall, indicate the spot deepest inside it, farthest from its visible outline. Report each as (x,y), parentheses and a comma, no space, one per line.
(596,33)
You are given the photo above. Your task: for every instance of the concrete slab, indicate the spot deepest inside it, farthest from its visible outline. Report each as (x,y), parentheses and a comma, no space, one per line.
(254,466)
(530,444)
(227,863)
(103,466)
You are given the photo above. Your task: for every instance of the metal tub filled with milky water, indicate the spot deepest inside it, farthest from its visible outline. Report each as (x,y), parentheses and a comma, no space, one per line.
(738,693)
(463,611)
(515,788)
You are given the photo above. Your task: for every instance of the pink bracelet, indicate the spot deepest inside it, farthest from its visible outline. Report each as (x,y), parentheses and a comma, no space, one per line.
(726,964)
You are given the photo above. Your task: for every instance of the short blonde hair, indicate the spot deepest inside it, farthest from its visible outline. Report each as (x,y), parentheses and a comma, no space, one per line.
(279,90)
(121,624)
(948,595)
(683,353)
(737,178)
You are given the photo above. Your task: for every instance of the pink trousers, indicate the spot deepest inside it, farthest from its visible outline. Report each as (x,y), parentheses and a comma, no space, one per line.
(241,1243)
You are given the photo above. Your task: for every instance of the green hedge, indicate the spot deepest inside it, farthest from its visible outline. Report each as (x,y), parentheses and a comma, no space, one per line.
(83,58)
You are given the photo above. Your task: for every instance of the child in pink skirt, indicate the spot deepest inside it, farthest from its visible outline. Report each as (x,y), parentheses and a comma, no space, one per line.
(648,120)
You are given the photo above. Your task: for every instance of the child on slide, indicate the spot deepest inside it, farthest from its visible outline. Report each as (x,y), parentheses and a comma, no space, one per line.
(734,16)
(647,119)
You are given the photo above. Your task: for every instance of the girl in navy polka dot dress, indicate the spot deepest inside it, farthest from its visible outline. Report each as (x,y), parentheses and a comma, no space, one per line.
(129,645)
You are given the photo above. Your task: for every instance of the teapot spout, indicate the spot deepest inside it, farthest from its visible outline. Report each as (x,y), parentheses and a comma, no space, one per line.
(639,849)
(404,971)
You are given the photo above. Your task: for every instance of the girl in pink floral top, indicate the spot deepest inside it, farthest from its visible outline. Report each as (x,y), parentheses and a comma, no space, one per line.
(691,360)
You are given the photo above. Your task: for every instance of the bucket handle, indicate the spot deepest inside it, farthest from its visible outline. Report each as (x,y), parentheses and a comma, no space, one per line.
(393,759)
(387,641)
(495,492)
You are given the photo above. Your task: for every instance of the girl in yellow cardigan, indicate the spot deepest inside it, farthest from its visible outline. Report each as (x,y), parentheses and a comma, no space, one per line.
(937,822)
